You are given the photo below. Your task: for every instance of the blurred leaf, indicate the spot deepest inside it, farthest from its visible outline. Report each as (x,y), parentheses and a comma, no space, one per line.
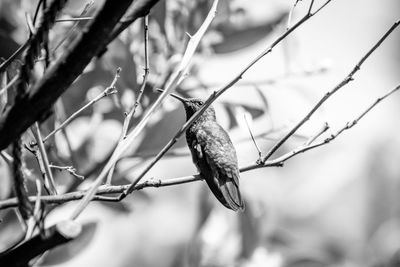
(264,99)
(205,208)
(66,252)
(11,231)
(103,139)
(239,35)
(158,13)
(232,119)
(7,44)
(128,101)
(263,257)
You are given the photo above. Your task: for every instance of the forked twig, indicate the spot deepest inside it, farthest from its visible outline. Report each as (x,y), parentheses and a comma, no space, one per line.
(108,91)
(131,113)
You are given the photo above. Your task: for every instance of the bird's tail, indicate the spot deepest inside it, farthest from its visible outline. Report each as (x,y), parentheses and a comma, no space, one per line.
(228,194)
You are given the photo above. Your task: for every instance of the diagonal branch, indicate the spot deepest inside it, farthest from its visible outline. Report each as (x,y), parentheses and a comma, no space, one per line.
(35,104)
(345,81)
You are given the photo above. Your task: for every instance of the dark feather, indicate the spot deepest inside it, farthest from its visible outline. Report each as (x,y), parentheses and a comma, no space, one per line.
(215,158)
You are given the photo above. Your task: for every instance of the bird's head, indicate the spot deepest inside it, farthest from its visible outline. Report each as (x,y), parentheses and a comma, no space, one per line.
(192,105)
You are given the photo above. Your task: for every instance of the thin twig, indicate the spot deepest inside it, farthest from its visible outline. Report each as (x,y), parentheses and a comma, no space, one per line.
(6,63)
(49,179)
(108,91)
(29,23)
(69,169)
(252,136)
(36,219)
(7,158)
(131,113)
(59,116)
(345,81)
(75,19)
(323,129)
(145,76)
(37,11)
(71,30)
(291,13)
(310,7)
(9,84)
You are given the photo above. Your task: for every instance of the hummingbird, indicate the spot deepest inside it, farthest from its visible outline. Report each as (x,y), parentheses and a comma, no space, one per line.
(213,154)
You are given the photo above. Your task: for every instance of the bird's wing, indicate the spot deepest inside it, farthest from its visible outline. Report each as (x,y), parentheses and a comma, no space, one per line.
(220,155)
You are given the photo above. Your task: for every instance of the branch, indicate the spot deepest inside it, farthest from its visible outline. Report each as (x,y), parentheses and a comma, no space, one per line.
(108,91)
(44,160)
(71,30)
(36,103)
(307,146)
(56,235)
(278,162)
(345,81)
(131,113)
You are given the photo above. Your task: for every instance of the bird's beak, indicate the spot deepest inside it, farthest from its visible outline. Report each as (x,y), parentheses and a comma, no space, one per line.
(183,100)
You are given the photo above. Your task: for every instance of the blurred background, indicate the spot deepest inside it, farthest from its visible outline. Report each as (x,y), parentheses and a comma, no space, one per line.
(337,205)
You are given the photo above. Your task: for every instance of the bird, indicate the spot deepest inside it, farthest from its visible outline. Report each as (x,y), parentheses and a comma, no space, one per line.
(213,154)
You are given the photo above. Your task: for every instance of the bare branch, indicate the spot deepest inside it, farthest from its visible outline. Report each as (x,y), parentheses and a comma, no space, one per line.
(74,19)
(37,102)
(71,30)
(69,169)
(49,180)
(108,91)
(323,129)
(345,81)
(291,13)
(131,113)
(9,84)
